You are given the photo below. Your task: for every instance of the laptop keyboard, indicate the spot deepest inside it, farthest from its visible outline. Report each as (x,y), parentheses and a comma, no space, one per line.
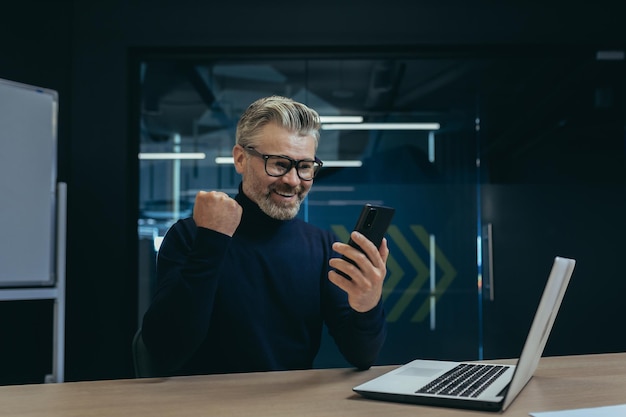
(465,380)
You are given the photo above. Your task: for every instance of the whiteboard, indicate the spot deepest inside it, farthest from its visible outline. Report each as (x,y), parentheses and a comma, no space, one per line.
(28,146)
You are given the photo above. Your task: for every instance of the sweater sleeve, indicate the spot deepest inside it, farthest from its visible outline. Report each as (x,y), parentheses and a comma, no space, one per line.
(359,336)
(177,320)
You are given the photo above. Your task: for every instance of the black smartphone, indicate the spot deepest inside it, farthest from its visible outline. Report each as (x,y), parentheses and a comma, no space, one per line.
(373,223)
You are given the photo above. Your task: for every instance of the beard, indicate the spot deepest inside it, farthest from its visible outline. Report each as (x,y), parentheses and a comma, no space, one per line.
(279,211)
(262,195)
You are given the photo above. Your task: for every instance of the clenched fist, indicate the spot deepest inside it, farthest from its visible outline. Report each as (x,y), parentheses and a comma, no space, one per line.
(217,211)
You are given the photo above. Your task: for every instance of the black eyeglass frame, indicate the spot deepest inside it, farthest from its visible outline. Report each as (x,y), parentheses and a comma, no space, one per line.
(293,163)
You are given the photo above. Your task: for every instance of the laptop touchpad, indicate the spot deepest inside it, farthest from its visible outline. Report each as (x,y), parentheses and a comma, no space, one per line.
(419,371)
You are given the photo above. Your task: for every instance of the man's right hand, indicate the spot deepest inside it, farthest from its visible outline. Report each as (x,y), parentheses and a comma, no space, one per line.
(215,210)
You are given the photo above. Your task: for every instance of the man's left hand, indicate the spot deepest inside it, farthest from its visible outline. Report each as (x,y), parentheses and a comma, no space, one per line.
(367,273)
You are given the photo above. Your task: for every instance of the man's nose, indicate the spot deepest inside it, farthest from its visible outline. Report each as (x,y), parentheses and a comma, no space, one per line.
(291,177)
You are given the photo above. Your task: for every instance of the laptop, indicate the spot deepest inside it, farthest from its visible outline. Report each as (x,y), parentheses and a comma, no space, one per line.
(476,385)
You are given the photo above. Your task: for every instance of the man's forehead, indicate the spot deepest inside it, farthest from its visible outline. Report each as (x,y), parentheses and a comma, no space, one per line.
(278,137)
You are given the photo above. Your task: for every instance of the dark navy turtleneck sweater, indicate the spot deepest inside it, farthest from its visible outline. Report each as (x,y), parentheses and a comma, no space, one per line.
(256,301)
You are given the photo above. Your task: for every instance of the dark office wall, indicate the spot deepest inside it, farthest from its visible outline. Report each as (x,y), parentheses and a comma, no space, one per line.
(35,48)
(83,49)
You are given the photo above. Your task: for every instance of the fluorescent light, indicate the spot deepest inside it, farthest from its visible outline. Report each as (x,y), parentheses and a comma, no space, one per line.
(381,126)
(342,164)
(341,119)
(610,55)
(228,160)
(224,160)
(172,155)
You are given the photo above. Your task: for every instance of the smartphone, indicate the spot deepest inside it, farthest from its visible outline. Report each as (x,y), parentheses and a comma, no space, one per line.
(373,223)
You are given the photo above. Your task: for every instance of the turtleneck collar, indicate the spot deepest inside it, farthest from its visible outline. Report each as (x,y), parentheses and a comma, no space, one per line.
(254,220)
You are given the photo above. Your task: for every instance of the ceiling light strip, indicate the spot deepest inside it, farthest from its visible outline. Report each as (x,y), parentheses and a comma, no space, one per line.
(171,155)
(225,160)
(343,164)
(228,160)
(381,126)
(341,119)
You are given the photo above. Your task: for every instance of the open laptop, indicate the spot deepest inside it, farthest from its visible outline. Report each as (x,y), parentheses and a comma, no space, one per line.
(495,386)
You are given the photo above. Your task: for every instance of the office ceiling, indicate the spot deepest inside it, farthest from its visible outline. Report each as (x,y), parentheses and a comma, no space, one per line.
(520,99)
(184,97)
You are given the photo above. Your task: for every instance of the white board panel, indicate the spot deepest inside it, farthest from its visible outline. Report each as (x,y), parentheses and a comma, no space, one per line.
(28,136)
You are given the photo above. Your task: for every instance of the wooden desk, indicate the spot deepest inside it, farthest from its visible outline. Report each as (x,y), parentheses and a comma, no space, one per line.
(559,383)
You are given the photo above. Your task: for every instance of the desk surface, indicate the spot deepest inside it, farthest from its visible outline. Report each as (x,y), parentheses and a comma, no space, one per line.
(559,383)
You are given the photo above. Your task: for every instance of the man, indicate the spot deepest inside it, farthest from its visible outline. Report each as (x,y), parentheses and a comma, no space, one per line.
(245,286)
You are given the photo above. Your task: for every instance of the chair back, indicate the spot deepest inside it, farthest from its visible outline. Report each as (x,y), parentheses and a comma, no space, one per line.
(142,360)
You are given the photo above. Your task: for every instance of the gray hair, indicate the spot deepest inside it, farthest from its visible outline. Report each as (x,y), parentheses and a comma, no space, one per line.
(285,112)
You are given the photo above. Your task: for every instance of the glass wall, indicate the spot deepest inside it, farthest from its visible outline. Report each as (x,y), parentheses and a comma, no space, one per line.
(426,134)
(412,146)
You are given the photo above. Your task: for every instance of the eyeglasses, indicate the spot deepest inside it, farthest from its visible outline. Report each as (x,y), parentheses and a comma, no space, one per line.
(278,165)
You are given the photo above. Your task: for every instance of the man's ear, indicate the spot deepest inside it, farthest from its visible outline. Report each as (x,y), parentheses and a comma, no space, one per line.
(239,158)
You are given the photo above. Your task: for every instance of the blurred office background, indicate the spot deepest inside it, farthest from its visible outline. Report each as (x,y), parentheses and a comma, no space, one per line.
(499,138)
